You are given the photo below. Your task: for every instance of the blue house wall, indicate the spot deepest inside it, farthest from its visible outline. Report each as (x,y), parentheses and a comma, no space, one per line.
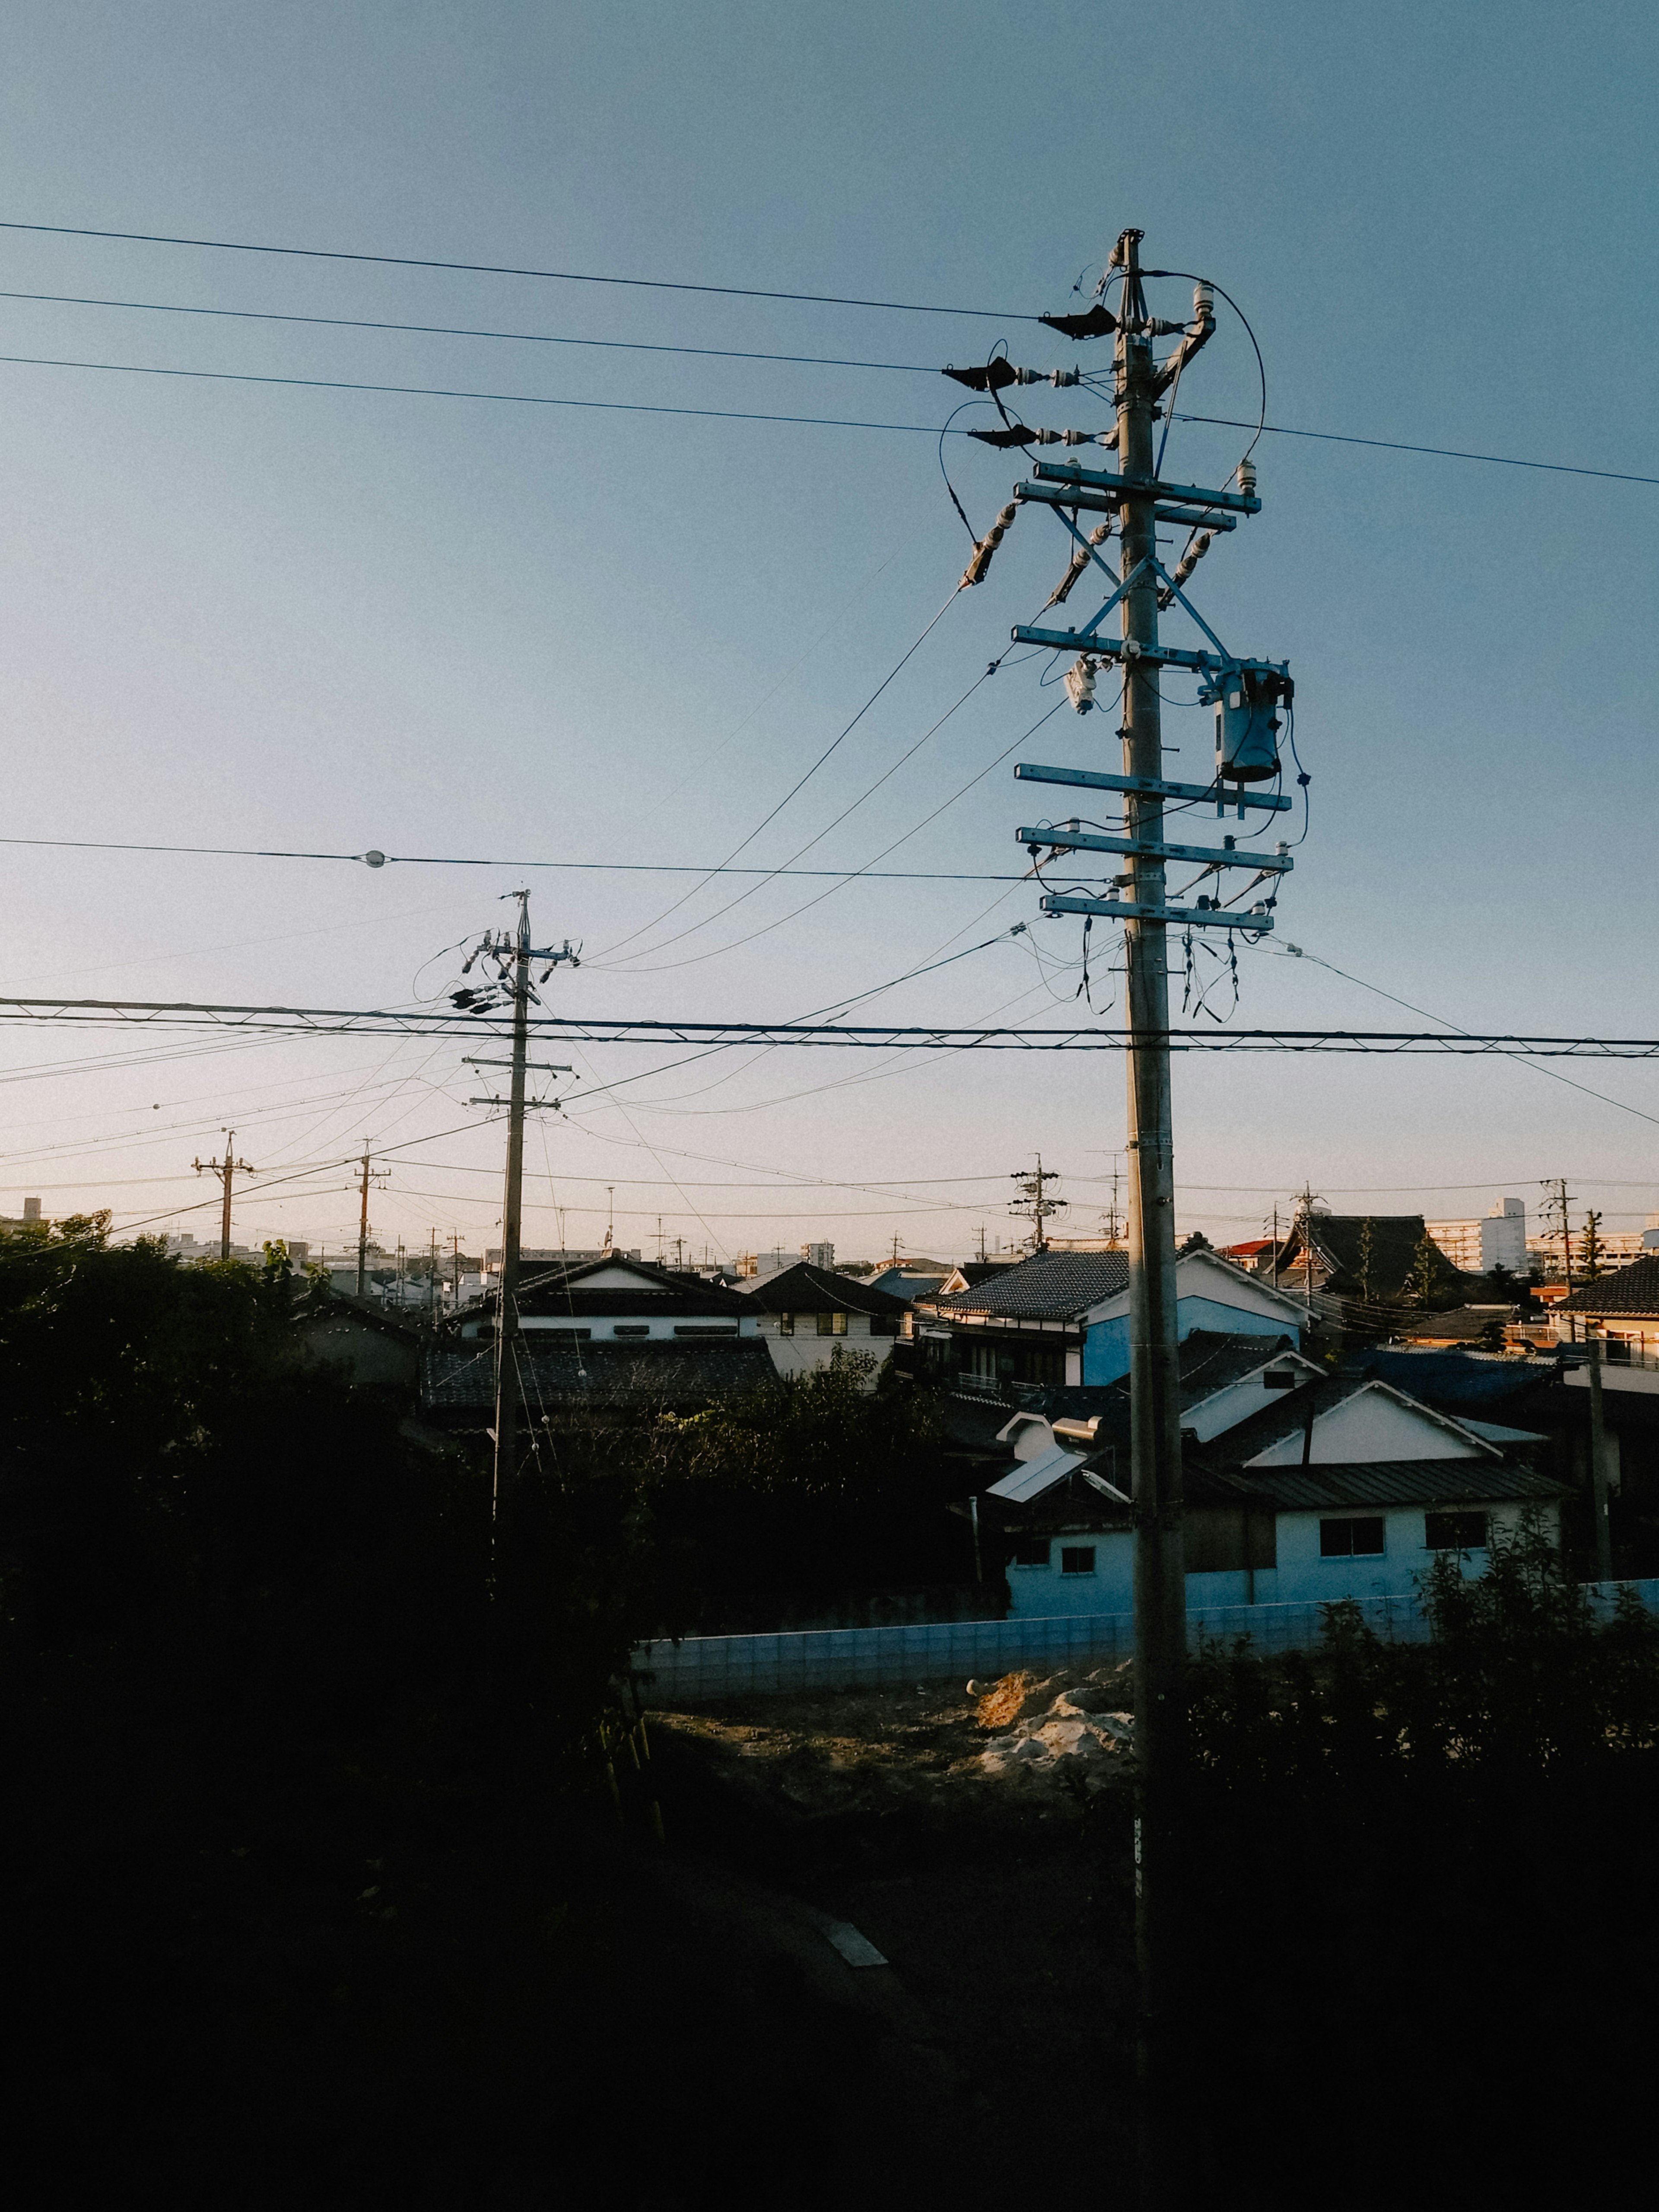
(1302,1577)
(1106,1344)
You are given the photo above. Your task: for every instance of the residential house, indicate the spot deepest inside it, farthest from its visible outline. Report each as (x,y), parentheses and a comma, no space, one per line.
(1063,1318)
(359,1335)
(1333,1486)
(1622,1308)
(611,1336)
(807,1313)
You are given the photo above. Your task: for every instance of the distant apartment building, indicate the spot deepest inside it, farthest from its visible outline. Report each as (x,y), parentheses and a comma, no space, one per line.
(756,1266)
(1617,1247)
(1497,1239)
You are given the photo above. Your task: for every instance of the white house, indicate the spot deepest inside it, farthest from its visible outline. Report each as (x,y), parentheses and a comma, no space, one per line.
(806,1312)
(1334,1488)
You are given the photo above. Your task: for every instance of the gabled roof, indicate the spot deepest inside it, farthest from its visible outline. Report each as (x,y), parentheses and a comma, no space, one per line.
(1209,1361)
(1632,1289)
(1454,1380)
(1291,1412)
(1049,1286)
(912,1279)
(806,1289)
(619,1286)
(329,1305)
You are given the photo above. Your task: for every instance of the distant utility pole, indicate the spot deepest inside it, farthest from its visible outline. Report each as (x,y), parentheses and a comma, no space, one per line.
(1113,1223)
(368,1177)
(1304,1210)
(227,1170)
(455,1258)
(1032,1204)
(1558,1203)
(1275,1245)
(513,957)
(610,1217)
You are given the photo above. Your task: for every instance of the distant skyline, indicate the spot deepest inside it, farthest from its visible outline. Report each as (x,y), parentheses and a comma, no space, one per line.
(241,615)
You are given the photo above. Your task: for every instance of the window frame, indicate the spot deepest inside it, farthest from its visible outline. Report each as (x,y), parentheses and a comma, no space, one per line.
(1353,1523)
(1031,1545)
(1070,1554)
(1468,1513)
(786,1324)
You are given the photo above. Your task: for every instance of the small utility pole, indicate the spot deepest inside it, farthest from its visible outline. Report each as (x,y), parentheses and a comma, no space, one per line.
(1032,1204)
(1275,1245)
(227,1170)
(1598,1446)
(369,1177)
(1558,1203)
(513,957)
(455,1259)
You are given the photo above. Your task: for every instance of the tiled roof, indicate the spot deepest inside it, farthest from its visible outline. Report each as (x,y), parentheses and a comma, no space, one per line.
(1632,1289)
(612,1375)
(1049,1286)
(1338,1239)
(1453,1379)
(807,1289)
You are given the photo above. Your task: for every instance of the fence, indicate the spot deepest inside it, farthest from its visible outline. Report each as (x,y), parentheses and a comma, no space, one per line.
(702,1668)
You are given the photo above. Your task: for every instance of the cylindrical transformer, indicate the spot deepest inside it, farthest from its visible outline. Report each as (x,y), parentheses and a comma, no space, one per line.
(1247,726)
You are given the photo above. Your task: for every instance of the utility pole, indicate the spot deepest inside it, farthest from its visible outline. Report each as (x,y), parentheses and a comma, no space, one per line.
(512,956)
(1598,1446)
(227,1170)
(1032,1206)
(368,1176)
(610,1217)
(1275,1245)
(1557,1203)
(1246,694)
(455,1258)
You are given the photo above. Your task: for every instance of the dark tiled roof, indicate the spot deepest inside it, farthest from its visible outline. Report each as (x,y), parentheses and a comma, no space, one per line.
(554,1292)
(807,1289)
(617,1376)
(1049,1286)
(1453,1380)
(1337,1243)
(1330,1487)
(1632,1289)
(1461,1325)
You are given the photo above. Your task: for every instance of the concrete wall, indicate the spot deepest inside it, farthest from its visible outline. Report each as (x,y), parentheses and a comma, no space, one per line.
(705,1667)
(1106,1347)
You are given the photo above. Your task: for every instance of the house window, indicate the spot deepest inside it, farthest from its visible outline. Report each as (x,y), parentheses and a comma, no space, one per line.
(1280,1378)
(559,1336)
(1031,1551)
(1076,1559)
(833,1324)
(633,1328)
(786,1324)
(1454,1532)
(705,1328)
(1616,1348)
(1351,1540)
(884,1324)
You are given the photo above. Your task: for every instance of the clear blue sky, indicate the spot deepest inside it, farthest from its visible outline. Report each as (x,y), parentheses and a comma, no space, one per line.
(239,614)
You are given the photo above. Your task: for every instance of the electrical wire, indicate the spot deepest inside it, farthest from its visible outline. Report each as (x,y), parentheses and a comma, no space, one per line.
(465,331)
(1437,452)
(450,391)
(497,268)
(910,651)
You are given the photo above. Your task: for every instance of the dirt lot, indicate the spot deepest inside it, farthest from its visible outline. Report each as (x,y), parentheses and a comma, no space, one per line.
(979,1843)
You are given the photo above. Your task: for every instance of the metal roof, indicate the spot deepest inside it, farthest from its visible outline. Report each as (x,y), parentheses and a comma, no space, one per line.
(1380,1482)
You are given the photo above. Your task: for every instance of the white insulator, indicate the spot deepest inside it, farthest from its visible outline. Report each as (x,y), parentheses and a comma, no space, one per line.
(1203,303)
(1246,475)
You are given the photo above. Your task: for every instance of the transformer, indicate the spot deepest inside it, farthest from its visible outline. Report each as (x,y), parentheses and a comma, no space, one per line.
(1246,697)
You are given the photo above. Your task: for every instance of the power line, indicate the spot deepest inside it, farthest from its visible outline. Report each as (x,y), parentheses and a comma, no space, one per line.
(470,330)
(497,268)
(447,391)
(337,1021)
(456,860)
(753,414)
(1398,446)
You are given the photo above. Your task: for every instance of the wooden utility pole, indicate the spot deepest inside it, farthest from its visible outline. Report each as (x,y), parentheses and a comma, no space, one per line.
(513,956)
(227,1170)
(369,1176)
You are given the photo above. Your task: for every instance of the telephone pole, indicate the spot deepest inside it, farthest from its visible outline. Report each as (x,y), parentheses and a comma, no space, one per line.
(227,1170)
(512,956)
(1247,694)
(1032,1204)
(368,1177)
